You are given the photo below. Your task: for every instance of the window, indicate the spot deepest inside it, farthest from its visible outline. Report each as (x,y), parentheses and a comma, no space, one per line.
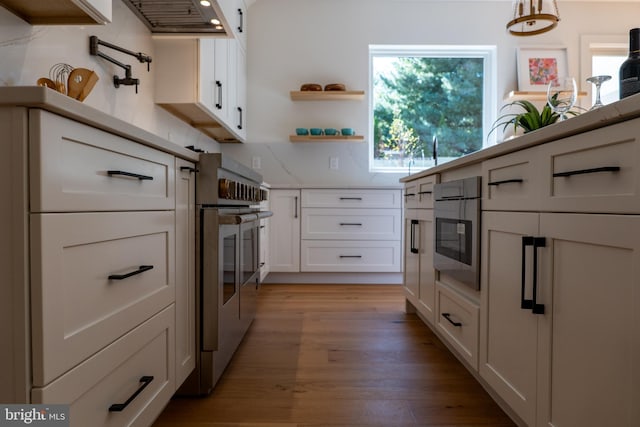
(603,55)
(422,93)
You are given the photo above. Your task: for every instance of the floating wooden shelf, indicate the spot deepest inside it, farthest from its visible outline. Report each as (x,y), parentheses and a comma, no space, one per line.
(325,138)
(330,95)
(515,95)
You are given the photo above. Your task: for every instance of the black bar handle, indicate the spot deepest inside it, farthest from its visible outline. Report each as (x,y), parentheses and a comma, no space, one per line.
(357,224)
(241,26)
(584,171)
(414,250)
(240,121)
(350,256)
(130,174)
(219,103)
(538,242)
(142,269)
(407,195)
(295,208)
(506,181)
(350,198)
(448,317)
(425,192)
(119,407)
(187,168)
(525,304)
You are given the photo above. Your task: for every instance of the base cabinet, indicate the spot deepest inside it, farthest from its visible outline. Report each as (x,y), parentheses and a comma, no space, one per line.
(572,361)
(284,233)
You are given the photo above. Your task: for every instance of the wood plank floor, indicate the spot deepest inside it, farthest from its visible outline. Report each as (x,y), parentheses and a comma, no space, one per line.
(339,355)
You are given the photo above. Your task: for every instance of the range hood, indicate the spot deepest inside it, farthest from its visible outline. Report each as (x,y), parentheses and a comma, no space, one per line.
(176,16)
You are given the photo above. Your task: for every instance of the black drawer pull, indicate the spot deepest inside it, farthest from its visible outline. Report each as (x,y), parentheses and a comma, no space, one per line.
(130,174)
(584,171)
(350,256)
(142,269)
(425,192)
(187,168)
(506,181)
(119,407)
(448,317)
(357,224)
(219,103)
(409,194)
(350,198)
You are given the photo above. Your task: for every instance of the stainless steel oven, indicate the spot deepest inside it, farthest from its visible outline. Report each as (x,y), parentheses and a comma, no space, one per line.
(228,272)
(457,230)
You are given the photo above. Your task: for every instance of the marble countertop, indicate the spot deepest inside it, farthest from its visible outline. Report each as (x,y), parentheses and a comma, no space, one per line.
(616,112)
(55,102)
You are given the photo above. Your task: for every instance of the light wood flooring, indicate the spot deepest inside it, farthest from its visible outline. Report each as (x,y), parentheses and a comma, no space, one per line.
(339,355)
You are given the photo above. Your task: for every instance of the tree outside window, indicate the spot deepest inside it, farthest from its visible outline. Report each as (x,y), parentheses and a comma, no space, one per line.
(417,98)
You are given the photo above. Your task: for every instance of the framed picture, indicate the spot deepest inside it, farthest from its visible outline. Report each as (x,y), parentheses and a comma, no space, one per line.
(537,66)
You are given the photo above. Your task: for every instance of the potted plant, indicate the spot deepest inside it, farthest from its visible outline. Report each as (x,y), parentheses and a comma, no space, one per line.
(528,120)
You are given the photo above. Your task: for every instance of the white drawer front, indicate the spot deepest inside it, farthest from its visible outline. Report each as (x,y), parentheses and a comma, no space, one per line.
(349,256)
(457,322)
(77,309)
(351,224)
(419,193)
(79,168)
(113,375)
(580,171)
(512,182)
(339,198)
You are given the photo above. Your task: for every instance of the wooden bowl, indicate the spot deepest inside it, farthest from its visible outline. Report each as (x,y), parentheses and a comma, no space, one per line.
(334,86)
(311,87)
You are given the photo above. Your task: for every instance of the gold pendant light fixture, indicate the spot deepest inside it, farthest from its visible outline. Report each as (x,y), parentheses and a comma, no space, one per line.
(531,17)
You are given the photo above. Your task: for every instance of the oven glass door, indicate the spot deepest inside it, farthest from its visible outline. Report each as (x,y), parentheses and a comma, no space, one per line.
(229,247)
(454,239)
(250,250)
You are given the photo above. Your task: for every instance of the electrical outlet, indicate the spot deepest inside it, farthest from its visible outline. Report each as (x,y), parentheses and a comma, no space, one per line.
(256,163)
(334,163)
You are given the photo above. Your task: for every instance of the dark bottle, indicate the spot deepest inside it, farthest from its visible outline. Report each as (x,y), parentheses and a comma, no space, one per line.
(630,69)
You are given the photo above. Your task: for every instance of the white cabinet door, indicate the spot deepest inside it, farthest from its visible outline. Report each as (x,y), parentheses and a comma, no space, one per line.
(508,333)
(590,350)
(427,277)
(284,238)
(411,256)
(233,13)
(185,270)
(240,110)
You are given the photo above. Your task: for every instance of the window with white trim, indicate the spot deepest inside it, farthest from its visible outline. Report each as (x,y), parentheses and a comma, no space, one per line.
(423,94)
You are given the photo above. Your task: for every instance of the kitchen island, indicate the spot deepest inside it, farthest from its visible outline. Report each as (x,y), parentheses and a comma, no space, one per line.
(553,333)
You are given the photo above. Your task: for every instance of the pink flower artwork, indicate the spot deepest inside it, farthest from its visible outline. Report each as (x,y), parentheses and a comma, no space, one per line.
(542,70)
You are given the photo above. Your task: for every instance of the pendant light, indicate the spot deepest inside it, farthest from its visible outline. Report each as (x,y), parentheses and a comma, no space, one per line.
(531,17)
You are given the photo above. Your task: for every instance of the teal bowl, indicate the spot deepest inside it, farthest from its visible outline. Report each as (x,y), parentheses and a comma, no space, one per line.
(302,131)
(347,131)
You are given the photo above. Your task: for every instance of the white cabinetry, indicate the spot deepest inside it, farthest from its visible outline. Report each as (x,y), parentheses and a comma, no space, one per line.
(185,270)
(559,289)
(90,257)
(284,236)
(419,274)
(196,80)
(351,230)
(234,16)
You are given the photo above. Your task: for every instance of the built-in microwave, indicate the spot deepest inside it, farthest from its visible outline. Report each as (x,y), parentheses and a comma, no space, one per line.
(457,230)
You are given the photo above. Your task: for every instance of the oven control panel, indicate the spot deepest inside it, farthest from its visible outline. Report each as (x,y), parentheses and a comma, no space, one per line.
(229,189)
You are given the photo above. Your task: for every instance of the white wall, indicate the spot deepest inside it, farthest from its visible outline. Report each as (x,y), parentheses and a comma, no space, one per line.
(298,41)
(28,52)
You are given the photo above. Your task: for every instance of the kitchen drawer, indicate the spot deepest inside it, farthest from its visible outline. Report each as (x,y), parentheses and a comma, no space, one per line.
(419,193)
(351,224)
(343,198)
(76,308)
(70,164)
(457,322)
(113,375)
(350,256)
(578,175)
(512,182)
